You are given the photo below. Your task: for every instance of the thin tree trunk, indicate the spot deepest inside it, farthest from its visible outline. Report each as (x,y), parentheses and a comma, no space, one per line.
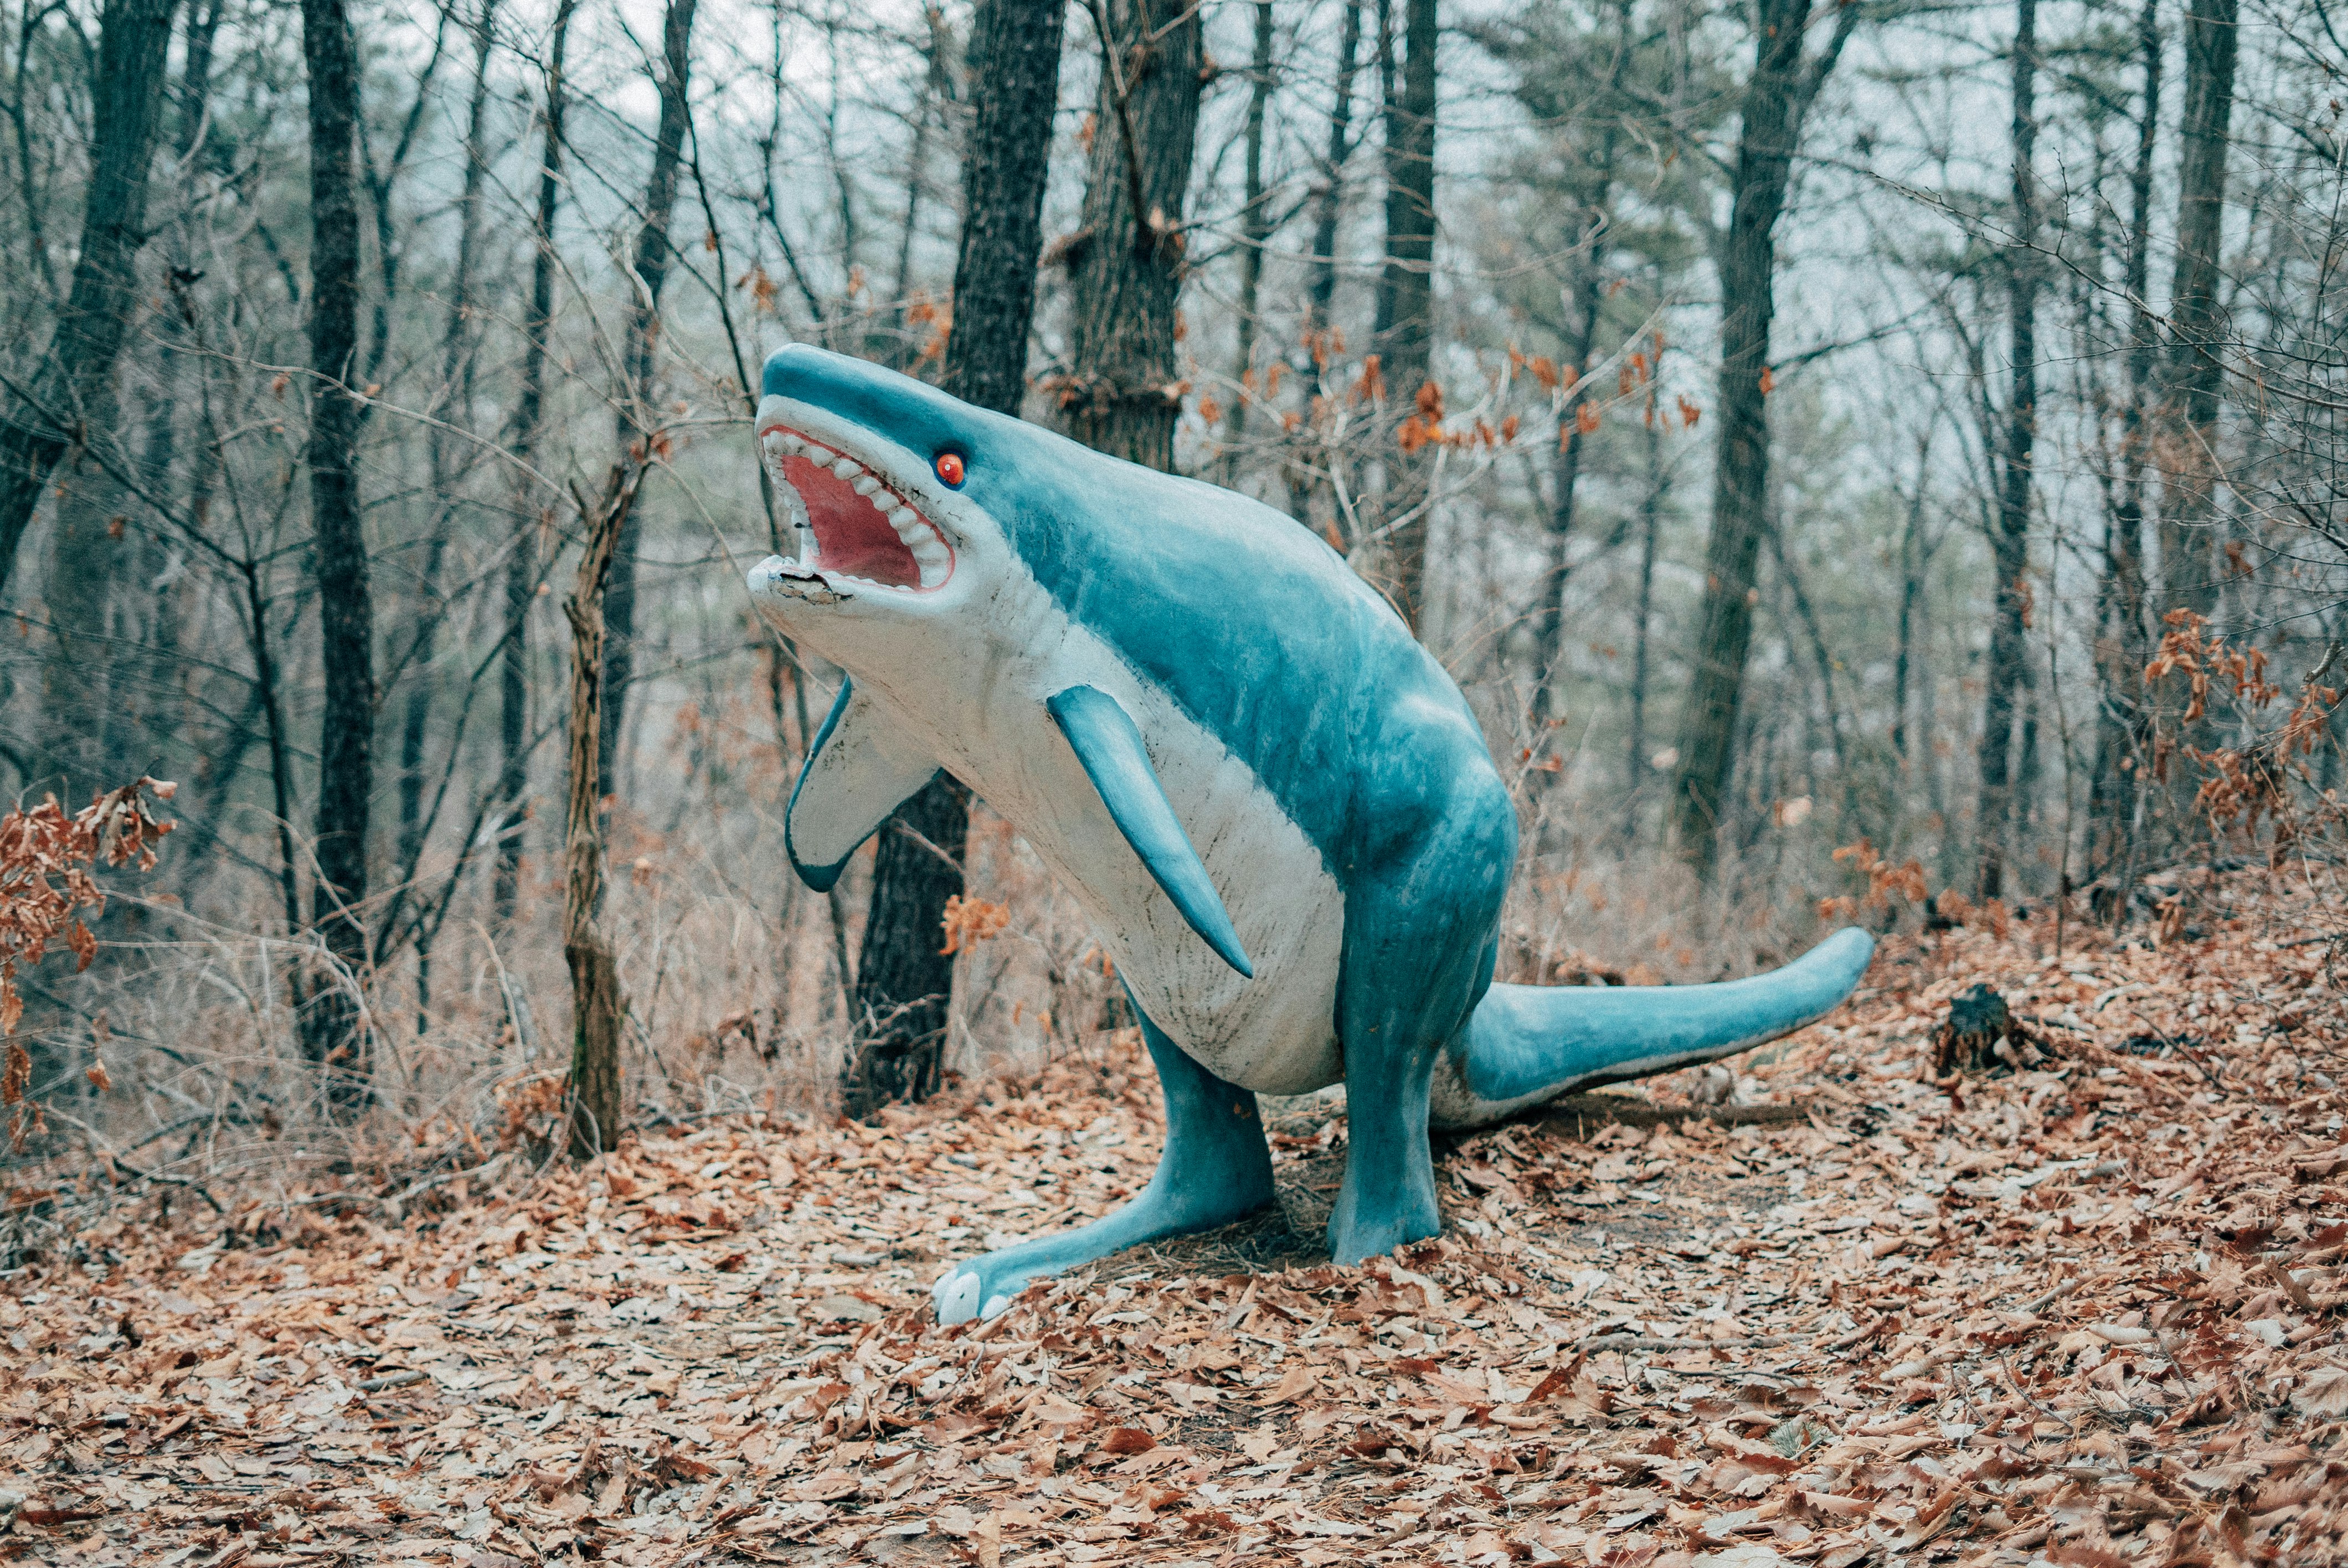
(1651,521)
(1125,392)
(530,419)
(1777,100)
(937,86)
(2197,369)
(458,364)
(1588,268)
(1912,562)
(1255,233)
(335,1032)
(1406,328)
(597,1108)
(903,983)
(640,358)
(1316,340)
(2121,632)
(1329,199)
(73,395)
(2010,543)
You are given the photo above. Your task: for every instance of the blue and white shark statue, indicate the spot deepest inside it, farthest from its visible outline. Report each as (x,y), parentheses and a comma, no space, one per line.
(1272,802)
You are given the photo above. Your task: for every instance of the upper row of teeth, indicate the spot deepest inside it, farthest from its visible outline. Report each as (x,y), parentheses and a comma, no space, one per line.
(930,552)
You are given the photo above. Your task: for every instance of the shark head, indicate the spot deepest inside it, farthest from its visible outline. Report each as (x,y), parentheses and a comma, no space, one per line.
(895,498)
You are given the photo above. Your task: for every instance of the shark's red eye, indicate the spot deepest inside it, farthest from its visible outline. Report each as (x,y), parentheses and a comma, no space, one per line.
(950,468)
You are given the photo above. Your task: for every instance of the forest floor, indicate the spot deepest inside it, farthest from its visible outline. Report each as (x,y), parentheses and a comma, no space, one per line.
(2083,1313)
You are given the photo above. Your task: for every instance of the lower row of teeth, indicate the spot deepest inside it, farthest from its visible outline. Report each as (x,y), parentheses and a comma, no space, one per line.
(929,551)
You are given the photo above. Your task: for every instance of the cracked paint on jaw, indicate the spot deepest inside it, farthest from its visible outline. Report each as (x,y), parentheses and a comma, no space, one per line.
(854,527)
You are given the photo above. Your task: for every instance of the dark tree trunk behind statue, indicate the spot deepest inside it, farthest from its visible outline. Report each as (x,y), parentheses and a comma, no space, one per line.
(76,384)
(334,1031)
(1776,97)
(903,981)
(1124,393)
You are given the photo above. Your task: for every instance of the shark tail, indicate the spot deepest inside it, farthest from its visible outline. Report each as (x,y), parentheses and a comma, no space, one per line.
(1525,1044)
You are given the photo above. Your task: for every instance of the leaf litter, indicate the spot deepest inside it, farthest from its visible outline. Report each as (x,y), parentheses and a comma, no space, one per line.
(2086,1312)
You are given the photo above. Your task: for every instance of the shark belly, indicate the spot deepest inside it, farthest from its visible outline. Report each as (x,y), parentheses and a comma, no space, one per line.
(983,719)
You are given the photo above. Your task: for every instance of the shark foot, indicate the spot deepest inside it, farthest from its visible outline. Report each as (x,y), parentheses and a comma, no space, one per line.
(984,1286)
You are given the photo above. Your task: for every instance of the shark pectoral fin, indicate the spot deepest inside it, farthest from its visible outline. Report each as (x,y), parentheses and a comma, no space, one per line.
(859,770)
(1105,741)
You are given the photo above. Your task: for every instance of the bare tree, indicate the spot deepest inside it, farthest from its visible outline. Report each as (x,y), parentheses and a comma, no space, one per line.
(1778,94)
(1405,319)
(2010,539)
(905,981)
(1122,391)
(73,400)
(335,1031)
(640,360)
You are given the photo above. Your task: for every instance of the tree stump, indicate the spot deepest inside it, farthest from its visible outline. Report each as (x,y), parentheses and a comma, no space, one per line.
(1981,1035)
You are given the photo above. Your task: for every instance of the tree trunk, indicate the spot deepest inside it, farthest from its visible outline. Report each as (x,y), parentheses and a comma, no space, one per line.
(1124,393)
(1329,199)
(904,983)
(1776,100)
(2010,542)
(530,417)
(2122,636)
(640,357)
(335,1032)
(597,1111)
(1255,233)
(1913,559)
(458,360)
(1405,327)
(2197,367)
(1316,341)
(72,397)
(1588,268)
(1651,521)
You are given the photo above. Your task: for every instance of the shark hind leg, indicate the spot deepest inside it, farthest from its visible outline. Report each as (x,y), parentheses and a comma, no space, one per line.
(1216,1168)
(1422,920)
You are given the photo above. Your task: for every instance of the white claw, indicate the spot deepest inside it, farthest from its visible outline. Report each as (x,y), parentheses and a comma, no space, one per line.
(956,1295)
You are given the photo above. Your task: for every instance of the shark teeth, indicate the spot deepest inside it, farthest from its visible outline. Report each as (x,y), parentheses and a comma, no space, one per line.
(932,554)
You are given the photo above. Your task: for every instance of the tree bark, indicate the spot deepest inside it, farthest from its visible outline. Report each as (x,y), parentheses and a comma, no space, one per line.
(640,357)
(530,419)
(598,1110)
(1406,325)
(1255,233)
(458,361)
(1651,522)
(1595,200)
(904,983)
(74,394)
(2122,636)
(1125,392)
(334,1032)
(2010,540)
(2197,369)
(1776,100)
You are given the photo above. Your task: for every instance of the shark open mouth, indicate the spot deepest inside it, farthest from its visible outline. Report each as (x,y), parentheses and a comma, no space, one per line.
(862,530)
